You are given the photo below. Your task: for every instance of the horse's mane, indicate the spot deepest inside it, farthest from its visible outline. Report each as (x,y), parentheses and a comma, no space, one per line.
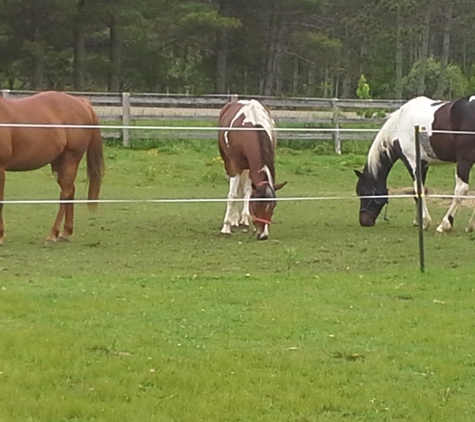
(383,140)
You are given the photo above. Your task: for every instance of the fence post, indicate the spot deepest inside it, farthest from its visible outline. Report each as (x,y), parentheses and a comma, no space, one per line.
(125,118)
(336,123)
(5,93)
(419,195)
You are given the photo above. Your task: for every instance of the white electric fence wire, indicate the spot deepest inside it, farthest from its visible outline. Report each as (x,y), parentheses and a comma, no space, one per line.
(209,128)
(209,200)
(194,200)
(190,128)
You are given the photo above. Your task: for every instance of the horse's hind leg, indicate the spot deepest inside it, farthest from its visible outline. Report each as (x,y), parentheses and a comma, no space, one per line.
(461,189)
(471,223)
(2,191)
(65,170)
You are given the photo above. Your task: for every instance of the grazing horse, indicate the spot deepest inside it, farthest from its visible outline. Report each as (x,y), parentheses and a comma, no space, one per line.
(396,140)
(248,157)
(29,148)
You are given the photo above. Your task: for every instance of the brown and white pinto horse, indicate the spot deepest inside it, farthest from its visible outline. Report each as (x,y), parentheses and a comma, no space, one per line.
(396,140)
(248,157)
(29,148)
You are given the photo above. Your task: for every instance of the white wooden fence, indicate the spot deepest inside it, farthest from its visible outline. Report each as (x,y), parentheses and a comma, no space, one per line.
(134,109)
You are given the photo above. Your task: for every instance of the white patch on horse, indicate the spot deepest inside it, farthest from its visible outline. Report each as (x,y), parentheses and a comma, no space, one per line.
(246,184)
(471,98)
(265,232)
(256,114)
(400,125)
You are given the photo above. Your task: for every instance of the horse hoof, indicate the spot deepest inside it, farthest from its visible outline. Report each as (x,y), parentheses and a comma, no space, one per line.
(50,241)
(468,229)
(62,239)
(245,228)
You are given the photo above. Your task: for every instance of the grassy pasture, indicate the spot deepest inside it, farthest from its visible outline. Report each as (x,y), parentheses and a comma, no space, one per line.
(149,314)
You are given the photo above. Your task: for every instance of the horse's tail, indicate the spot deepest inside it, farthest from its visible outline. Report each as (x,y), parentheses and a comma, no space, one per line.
(95,162)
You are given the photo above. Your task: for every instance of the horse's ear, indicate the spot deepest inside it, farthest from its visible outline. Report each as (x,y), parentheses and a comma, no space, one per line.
(358,174)
(279,185)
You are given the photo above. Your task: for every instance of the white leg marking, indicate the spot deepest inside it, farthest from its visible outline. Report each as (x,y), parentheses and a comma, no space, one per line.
(230,205)
(426,218)
(461,189)
(246,184)
(264,234)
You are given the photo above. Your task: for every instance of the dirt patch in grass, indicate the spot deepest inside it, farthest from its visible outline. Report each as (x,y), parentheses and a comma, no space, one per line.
(445,201)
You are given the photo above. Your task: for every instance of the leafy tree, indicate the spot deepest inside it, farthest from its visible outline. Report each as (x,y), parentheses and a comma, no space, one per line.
(270,47)
(454,82)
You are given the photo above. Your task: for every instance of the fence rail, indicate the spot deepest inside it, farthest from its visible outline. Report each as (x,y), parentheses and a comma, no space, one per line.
(130,109)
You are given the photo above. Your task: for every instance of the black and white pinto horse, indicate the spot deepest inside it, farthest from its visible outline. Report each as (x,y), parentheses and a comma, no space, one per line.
(248,157)
(396,140)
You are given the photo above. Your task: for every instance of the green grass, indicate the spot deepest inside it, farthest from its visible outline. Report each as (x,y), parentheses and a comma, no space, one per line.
(149,314)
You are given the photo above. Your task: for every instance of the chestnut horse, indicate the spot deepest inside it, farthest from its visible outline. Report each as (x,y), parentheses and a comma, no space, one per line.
(248,157)
(396,140)
(30,148)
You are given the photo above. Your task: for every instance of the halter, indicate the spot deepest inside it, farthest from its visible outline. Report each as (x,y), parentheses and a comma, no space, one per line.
(377,201)
(261,220)
(258,219)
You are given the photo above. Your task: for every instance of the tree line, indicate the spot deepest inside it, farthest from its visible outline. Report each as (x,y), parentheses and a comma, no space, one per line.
(314,48)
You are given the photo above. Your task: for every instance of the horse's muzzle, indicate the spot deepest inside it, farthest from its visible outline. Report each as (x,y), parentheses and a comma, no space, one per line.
(367,219)
(262,236)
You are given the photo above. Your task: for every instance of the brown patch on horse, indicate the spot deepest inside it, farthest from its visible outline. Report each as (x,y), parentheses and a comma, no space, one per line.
(30,148)
(443,144)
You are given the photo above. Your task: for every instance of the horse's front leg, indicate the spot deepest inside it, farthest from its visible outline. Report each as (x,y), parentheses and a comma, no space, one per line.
(426,218)
(246,183)
(229,218)
(2,192)
(461,189)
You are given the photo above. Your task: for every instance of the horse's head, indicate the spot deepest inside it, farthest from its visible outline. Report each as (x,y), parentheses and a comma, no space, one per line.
(263,209)
(370,208)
